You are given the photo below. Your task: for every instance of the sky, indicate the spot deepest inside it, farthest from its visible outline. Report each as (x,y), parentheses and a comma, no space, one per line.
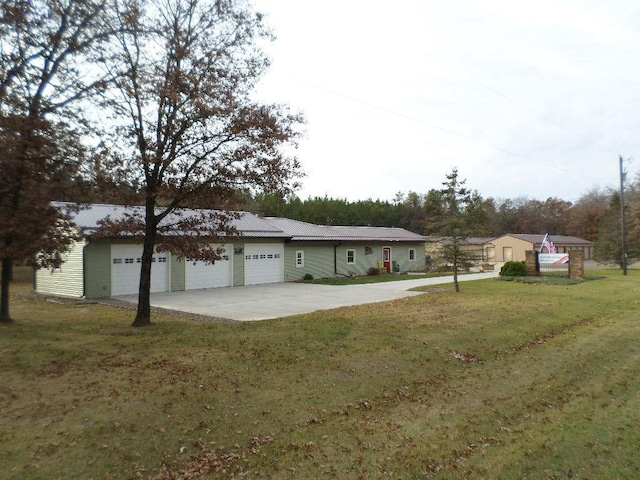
(526,99)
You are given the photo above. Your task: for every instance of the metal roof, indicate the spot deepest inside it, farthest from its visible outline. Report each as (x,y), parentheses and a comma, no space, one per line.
(87,218)
(298,230)
(537,238)
(462,241)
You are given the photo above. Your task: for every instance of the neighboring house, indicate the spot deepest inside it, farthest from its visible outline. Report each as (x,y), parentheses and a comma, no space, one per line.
(512,247)
(267,251)
(492,250)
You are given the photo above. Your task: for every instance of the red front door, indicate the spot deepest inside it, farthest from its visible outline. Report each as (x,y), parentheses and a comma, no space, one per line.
(386,258)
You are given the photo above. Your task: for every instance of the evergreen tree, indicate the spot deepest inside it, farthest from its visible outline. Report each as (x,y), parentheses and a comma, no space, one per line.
(456,223)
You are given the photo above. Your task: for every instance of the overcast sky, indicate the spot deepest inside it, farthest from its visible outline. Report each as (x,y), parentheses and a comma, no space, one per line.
(533,99)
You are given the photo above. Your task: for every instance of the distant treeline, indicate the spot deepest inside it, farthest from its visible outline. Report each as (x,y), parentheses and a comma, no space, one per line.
(595,216)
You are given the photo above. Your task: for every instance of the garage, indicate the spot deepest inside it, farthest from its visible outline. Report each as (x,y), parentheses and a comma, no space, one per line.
(263,263)
(199,274)
(125,270)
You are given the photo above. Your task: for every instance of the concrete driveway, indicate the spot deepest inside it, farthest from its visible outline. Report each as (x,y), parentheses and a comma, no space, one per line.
(261,302)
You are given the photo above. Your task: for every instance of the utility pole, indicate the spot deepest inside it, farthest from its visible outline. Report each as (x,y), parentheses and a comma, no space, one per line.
(622,229)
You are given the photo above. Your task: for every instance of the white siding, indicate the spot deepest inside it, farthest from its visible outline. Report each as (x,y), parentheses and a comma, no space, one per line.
(66,280)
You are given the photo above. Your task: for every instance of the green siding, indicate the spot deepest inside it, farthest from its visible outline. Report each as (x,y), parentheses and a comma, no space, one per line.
(238,264)
(66,280)
(399,254)
(177,274)
(97,264)
(318,260)
(326,259)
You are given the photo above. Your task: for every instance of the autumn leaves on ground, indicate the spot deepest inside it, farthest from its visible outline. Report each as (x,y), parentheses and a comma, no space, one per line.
(504,380)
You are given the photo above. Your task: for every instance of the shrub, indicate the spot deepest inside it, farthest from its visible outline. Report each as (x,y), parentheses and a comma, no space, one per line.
(513,269)
(373,271)
(307,277)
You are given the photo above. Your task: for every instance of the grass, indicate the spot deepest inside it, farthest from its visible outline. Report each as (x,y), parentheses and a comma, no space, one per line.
(504,380)
(339,281)
(552,279)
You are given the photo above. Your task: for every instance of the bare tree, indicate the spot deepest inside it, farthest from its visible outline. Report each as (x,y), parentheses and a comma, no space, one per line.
(189,132)
(46,47)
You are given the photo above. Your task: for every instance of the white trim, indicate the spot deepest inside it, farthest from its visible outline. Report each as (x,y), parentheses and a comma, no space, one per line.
(354,256)
(299,258)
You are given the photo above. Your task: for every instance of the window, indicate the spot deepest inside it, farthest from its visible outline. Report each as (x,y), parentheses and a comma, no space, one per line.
(412,254)
(299,258)
(128,260)
(117,260)
(351,257)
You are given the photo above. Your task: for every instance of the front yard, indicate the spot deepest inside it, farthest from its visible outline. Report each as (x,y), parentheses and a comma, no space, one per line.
(504,380)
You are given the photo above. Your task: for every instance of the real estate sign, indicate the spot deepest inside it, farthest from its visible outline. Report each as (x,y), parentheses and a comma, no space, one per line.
(555,258)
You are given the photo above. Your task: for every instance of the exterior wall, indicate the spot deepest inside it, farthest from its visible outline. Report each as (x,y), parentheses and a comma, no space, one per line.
(585,249)
(66,280)
(318,260)
(519,247)
(400,254)
(364,261)
(238,264)
(97,269)
(238,257)
(177,275)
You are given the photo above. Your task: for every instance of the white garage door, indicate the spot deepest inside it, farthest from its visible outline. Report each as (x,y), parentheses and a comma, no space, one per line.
(203,275)
(263,263)
(125,270)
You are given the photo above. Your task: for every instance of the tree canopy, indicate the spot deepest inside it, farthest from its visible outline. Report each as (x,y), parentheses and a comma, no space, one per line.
(46,47)
(187,130)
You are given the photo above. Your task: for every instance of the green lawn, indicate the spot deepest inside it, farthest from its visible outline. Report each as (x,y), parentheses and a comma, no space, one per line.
(504,380)
(395,277)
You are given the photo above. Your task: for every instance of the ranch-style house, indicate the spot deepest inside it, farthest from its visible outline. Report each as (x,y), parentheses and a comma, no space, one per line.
(267,250)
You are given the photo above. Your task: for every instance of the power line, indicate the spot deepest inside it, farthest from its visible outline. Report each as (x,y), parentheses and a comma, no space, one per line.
(515,102)
(436,127)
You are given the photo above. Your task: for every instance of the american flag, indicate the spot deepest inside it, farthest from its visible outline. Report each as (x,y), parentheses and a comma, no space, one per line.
(548,244)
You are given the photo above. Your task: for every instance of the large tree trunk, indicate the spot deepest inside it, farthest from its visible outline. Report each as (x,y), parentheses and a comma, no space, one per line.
(7,276)
(143,316)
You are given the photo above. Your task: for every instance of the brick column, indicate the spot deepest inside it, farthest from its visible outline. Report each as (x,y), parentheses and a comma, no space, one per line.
(531,263)
(576,264)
